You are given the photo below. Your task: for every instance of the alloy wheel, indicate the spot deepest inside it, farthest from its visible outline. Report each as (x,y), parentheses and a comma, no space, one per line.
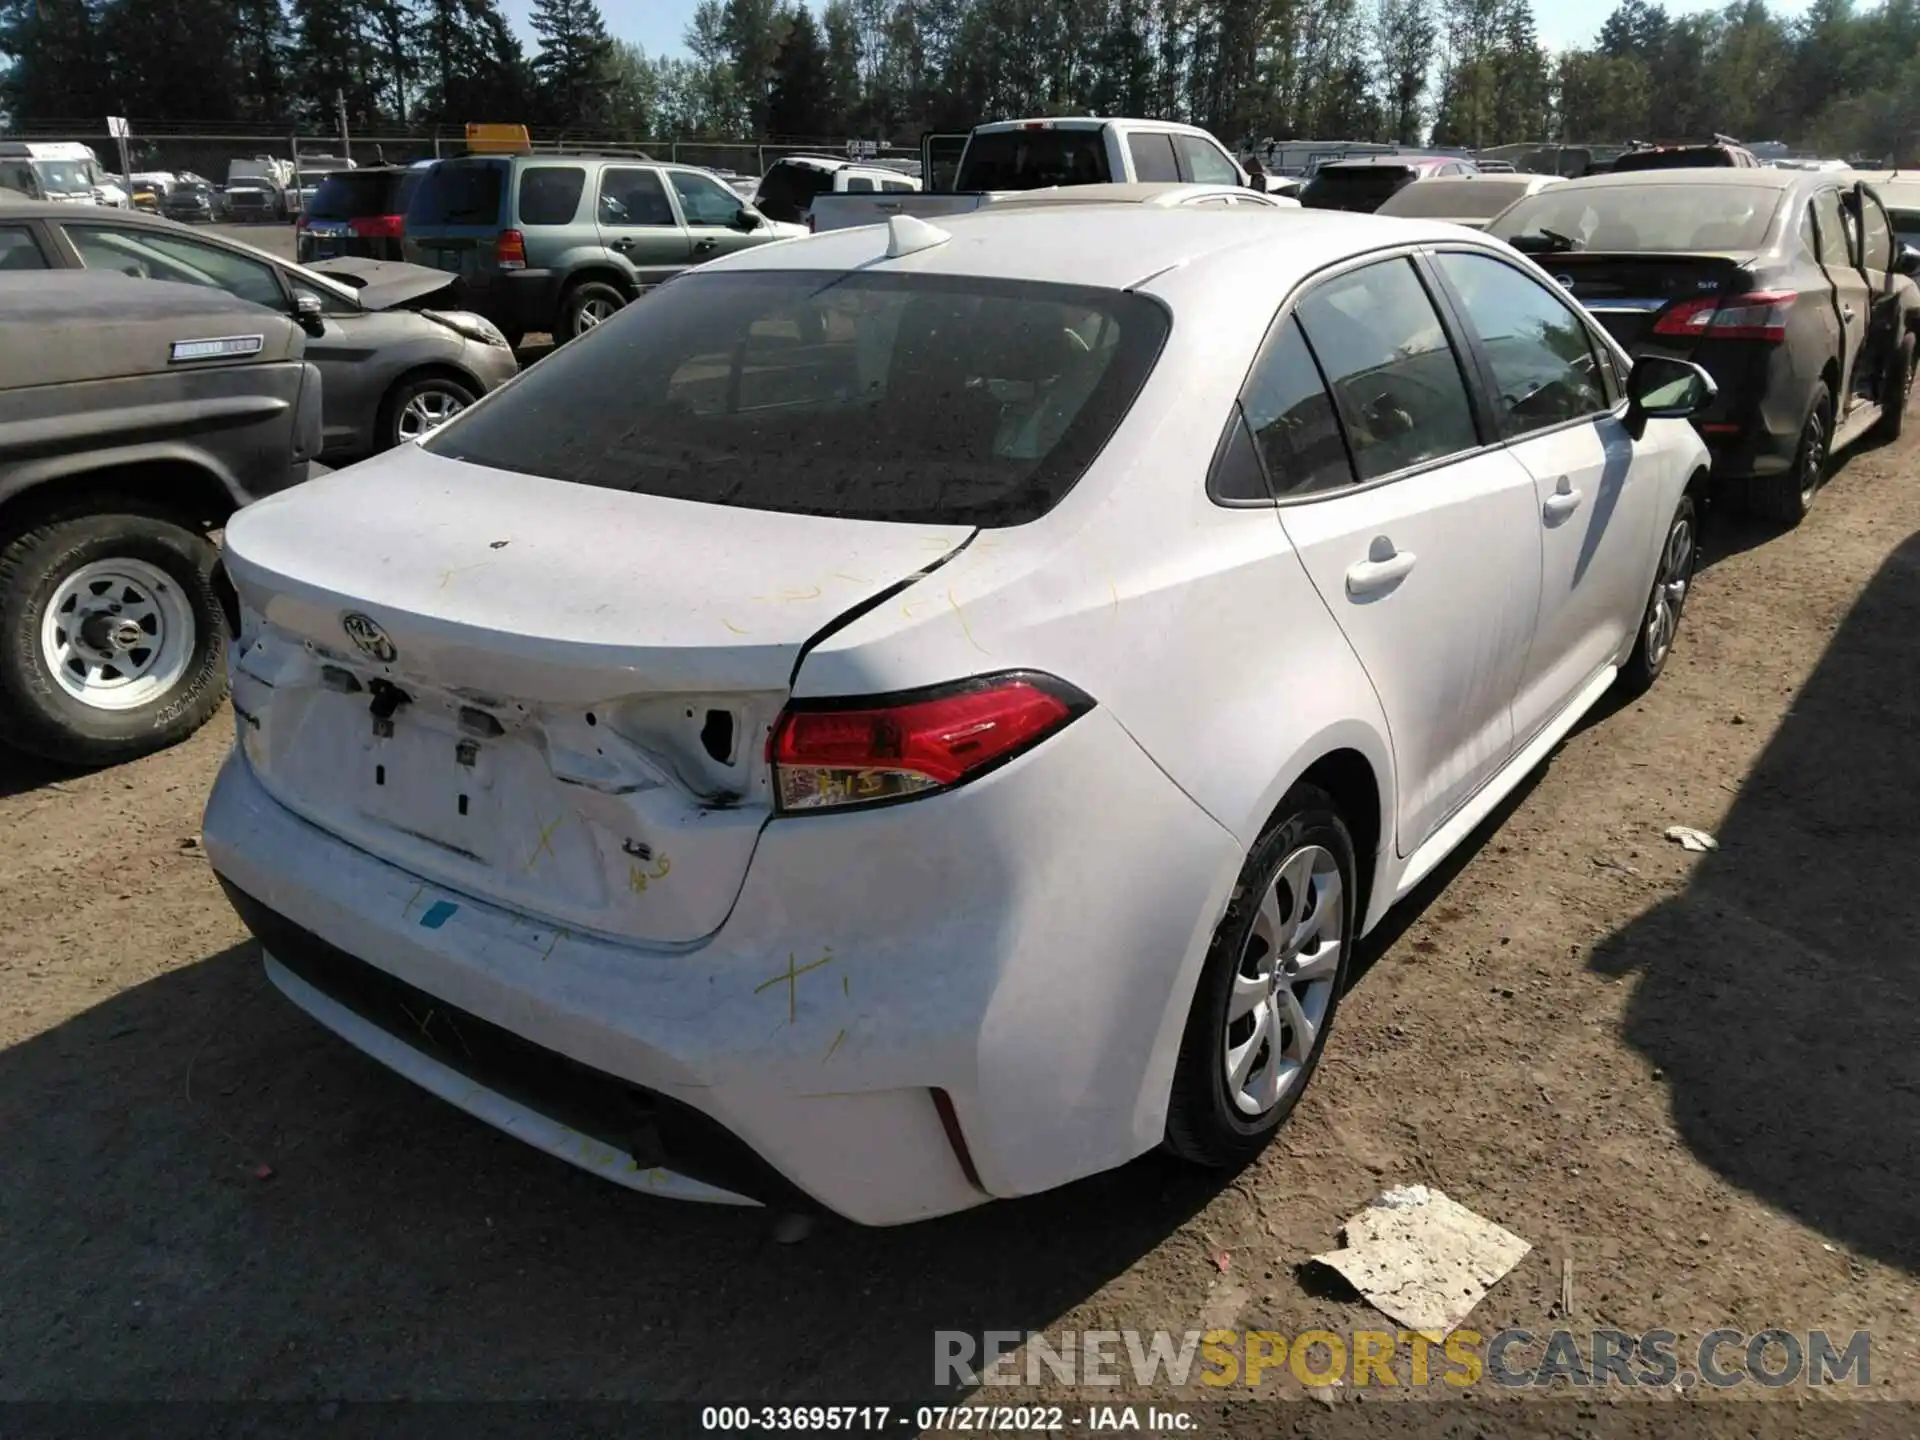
(1813,455)
(1283,986)
(427,411)
(592,313)
(1669,593)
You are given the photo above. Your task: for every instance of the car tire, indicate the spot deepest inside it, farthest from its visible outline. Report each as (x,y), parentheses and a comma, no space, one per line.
(1228,1097)
(1898,392)
(585,306)
(149,670)
(1788,496)
(1672,583)
(417,407)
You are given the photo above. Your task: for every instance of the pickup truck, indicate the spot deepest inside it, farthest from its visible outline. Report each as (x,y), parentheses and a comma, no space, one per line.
(1009,157)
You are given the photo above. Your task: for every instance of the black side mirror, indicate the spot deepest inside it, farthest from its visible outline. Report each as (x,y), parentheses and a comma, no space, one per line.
(1664,389)
(1907,261)
(307,311)
(746,218)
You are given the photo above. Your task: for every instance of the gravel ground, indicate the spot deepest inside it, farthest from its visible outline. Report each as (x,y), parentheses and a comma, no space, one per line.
(1695,1075)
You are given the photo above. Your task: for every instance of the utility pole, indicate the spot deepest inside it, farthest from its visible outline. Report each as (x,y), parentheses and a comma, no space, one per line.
(340,108)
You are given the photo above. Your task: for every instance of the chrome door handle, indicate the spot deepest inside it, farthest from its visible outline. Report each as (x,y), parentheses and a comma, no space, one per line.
(1563,502)
(1384,568)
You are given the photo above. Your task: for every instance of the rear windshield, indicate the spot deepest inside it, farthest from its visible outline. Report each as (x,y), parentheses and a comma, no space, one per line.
(787,191)
(1641,217)
(1344,185)
(1034,159)
(1438,199)
(459,192)
(1690,158)
(915,398)
(352,193)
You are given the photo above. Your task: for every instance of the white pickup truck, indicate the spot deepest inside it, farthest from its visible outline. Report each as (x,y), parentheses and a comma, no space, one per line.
(1010,157)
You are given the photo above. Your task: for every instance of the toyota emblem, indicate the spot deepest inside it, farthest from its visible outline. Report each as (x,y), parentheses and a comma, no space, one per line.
(367,634)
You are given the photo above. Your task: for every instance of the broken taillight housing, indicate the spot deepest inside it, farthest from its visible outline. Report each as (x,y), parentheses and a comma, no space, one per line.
(842,754)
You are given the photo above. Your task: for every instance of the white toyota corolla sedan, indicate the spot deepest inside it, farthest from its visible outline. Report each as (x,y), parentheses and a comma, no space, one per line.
(917,715)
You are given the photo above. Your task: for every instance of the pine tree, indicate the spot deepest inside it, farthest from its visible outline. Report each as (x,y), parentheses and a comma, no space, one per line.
(570,66)
(56,51)
(798,95)
(1405,33)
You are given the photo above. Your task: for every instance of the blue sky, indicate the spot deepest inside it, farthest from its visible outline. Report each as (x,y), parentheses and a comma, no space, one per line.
(659,24)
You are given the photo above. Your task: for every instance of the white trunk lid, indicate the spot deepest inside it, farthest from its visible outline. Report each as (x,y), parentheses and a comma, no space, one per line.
(552,696)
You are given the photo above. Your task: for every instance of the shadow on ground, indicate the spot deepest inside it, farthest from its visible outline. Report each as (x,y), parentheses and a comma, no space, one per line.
(1779,992)
(396,1247)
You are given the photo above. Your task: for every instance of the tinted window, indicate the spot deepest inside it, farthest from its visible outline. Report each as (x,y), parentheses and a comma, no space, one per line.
(1836,245)
(550,194)
(1678,158)
(1034,159)
(1152,156)
(896,186)
(352,193)
(1645,217)
(705,201)
(18,250)
(157,255)
(1393,373)
(788,190)
(459,192)
(859,185)
(1541,355)
(975,401)
(1291,416)
(1204,161)
(1906,226)
(1354,187)
(634,197)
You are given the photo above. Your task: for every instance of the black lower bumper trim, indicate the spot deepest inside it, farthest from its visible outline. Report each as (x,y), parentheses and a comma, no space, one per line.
(654,1129)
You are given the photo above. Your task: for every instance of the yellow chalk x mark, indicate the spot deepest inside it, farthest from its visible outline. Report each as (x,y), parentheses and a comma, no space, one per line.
(791,975)
(546,843)
(834,1046)
(965,628)
(731,626)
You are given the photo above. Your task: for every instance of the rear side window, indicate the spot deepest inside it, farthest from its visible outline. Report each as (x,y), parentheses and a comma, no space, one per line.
(1034,159)
(550,194)
(1394,376)
(859,185)
(1354,187)
(346,194)
(459,192)
(1292,418)
(1204,162)
(18,250)
(896,187)
(633,197)
(914,398)
(1152,156)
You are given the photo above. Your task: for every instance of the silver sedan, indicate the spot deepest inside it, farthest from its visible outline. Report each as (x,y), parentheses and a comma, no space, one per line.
(393,363)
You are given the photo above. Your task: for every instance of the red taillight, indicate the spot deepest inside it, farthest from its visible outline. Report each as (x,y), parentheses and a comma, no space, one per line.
(850,753)
(376,227)
(1759,315)
(510,250)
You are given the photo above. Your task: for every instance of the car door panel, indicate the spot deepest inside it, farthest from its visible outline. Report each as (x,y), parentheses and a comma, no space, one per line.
(709,213)
(1596,509)
(637,223)
(1876,254)
(1431,565)
(1852,301)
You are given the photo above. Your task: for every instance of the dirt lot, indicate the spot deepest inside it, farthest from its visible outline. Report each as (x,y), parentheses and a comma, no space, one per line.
(1697,1076)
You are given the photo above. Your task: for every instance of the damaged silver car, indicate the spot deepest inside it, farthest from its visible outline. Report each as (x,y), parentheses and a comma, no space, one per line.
(396,354)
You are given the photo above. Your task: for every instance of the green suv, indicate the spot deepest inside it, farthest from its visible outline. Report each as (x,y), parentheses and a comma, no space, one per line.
(557,243)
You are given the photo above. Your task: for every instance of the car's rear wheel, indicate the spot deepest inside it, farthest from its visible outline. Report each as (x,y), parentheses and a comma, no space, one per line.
(1269,988)
(419,407)
(1672,582)
(1788,496)
(1897,393)
(589,304)
(112,636)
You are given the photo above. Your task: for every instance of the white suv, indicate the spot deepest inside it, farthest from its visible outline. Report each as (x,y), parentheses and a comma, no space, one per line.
(787,191)
(916,715)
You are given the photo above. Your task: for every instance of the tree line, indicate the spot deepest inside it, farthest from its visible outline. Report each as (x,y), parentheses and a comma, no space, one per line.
(1841,78)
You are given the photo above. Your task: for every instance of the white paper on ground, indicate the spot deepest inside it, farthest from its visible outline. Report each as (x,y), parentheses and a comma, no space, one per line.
(1423,1258)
